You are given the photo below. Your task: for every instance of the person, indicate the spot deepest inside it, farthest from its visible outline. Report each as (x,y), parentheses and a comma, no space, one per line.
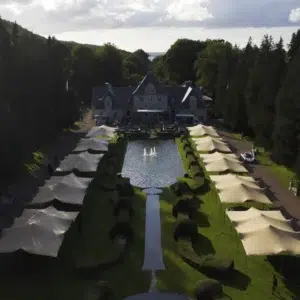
(275,283)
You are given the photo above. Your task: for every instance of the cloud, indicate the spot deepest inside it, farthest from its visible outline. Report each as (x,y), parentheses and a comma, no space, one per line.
(56,16)
(294,16)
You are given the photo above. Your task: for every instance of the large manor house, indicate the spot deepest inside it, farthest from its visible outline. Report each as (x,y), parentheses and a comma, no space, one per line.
(149,101)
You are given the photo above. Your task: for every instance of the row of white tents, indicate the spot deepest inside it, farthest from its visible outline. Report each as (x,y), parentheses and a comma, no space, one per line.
(41,231)
(261,232)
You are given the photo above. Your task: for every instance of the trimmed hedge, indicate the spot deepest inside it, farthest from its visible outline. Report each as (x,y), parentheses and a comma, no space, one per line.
(185,206)
(207,264)
(180,188)
(208,289)
(121,229)
(125,189)
(186,229)
(124,204)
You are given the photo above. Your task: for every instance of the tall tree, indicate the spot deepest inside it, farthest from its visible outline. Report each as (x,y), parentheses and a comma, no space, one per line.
(180,59)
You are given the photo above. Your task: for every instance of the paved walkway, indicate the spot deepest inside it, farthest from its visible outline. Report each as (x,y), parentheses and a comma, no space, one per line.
(153,258)
(278,194)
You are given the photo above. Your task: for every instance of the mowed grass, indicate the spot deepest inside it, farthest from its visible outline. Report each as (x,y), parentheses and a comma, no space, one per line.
(254,280)
(128,278)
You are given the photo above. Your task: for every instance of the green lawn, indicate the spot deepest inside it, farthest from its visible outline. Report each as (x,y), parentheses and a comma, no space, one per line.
(128,278)
(254,277)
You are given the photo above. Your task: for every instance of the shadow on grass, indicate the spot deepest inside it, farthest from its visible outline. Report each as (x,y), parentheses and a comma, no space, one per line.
(203,246)
(201,219)
(235,279)
(288,266)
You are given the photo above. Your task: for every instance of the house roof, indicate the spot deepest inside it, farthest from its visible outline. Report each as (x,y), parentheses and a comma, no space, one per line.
(149,78)
(122,95)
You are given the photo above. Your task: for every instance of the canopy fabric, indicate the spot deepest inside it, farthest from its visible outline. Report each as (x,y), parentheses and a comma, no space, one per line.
(217,155)
(37,231)
(95,144)
(252,213)
(200,130)
(102,130)
(232,180)
(243,193)
(225,164)
(83,162)
(69,180)
(208,144)
(271,240)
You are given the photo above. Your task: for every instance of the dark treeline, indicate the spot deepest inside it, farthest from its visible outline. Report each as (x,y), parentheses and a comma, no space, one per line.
(35,103)
(256,89)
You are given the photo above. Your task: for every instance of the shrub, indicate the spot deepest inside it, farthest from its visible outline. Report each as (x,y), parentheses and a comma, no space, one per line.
(124,204)
(186,229)
(105,290)
(125,189)
(193,163)
(185,206)
(180,188)
(199,174)
(121,229)
(216,266)
(208,289)
(184,138)
(189,152)
(186,146)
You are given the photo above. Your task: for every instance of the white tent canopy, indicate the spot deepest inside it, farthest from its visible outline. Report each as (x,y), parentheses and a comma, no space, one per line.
(102,130)
(252,213)
(271,241)
(83,162)
(70,189)
(95,144)
(217,155)
(200,130)
(225,164)
(208,144)
(69,180)
(232,180)
(37,231)
(243,193)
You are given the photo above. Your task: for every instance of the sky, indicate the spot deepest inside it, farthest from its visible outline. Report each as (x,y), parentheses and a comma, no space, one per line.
(154,25)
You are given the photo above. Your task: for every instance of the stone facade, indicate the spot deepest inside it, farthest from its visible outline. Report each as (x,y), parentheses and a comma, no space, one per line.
(149,97)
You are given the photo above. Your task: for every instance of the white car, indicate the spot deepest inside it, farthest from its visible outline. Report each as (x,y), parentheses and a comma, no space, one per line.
(248,157)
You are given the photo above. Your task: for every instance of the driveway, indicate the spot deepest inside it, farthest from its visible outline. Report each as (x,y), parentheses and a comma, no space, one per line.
(278,194)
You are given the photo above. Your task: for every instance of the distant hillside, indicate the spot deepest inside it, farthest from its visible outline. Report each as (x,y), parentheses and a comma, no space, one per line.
(26,34)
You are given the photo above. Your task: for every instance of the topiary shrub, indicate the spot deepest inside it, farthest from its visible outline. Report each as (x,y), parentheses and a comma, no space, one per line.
(121,229)
(125,189)
(199,174)
(105,290)
(123,204)
(186,229)
(184,138)
(180,188)
(216,267)
(185,206)
(206,264)
(193,163)
(208,289)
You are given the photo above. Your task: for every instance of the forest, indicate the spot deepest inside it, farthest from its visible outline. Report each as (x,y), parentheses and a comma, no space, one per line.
(256,89)
(45,83)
